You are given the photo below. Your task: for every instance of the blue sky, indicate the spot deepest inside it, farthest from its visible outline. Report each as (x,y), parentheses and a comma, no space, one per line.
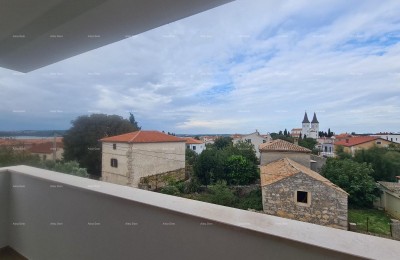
(247,65)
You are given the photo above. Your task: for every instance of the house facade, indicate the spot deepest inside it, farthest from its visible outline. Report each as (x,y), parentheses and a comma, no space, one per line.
(393,137)
(129,157)
(293,191)
(255,139)
(355,143)
(278,149)
(48,150)
(390,198)
(195,145)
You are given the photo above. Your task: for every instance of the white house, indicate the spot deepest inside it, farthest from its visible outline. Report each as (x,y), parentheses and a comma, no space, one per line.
(128,157)
(254,138)
(393,137)
(195,145)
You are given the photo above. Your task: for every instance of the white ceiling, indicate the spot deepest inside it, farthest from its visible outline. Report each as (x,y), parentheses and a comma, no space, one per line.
(36,33)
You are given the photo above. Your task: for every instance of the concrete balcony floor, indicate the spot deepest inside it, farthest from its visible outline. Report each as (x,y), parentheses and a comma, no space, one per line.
(49,215)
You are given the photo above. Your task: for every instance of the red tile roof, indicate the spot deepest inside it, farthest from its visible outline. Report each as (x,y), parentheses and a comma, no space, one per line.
(191,140)
(351,141)
(46,148)
(143,137)
(284,168)
(279,145)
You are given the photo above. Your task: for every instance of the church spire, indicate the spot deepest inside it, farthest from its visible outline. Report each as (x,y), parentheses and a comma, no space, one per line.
(314,120)
(305,120)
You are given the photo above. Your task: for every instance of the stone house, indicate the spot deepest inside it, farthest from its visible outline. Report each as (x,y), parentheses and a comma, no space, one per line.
(291,190)
(128,158)
(48,150)
(278,149)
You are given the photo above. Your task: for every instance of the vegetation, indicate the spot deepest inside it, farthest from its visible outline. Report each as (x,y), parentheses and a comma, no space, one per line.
(378,221)
(10,157)
(308,143)
(353,177)
(384,161)
(219,193)
(235,164)
(81,142)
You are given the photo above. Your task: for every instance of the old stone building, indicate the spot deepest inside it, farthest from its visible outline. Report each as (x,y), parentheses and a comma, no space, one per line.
(128,158)
(278,149)
(291,190)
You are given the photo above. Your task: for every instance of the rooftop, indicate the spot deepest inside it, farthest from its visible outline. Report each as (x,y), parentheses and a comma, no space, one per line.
(45,147)
(143,137)
(284,168)
(191,140)
(279,145)
(391,186)
(356,140)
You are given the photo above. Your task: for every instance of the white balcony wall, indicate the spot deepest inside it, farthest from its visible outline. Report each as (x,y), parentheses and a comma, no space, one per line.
(58,216)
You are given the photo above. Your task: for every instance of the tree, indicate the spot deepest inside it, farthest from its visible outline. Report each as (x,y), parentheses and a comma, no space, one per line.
(240,170)
(133,121)
(81,142)
(285,133)
(353,177)
(341,154)
(384,161)
(222,142)
(308,143)
(221,194)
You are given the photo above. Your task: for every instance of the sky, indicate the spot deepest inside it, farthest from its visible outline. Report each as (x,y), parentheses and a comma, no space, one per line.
(244,66)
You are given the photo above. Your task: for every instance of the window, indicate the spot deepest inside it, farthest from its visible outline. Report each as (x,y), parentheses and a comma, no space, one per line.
(378,142)
(264,141)
(114,163)
(194,148)
(114,146)
(302,197)
(248,140)
(188,146)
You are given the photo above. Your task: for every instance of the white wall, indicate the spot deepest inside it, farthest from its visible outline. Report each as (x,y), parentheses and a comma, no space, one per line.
(256,140)
(4,206)
(199,147)
(98,220)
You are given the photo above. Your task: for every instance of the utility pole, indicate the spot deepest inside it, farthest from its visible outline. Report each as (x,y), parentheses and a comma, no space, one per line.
(54,147)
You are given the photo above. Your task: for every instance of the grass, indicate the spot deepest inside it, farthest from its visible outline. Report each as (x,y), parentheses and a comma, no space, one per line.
(378,220)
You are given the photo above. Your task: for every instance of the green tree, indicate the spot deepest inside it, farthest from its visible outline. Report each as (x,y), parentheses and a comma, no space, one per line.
(133,121)
(240,170)
(10,156)
(221,194)
(353,177)
(308,143)
(384,161)
(81,142)
(341,154)
(222,142)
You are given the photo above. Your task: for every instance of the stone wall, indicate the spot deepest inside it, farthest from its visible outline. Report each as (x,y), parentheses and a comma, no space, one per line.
(395,225)
(319,162)
(160,180)
(302,158)
(326,205)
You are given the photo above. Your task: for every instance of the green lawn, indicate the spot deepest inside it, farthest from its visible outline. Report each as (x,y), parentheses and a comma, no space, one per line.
(378,220)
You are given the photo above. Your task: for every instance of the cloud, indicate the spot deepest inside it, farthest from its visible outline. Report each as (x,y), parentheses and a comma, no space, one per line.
(231,69)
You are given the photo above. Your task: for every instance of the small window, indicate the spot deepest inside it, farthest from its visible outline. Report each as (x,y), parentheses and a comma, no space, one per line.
(114,146)
(378,142)
(302,197)
(194,148)
(264,141)
(114,163)
(188,146)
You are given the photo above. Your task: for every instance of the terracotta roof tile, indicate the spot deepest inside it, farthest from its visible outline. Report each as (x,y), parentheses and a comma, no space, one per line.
(45,147)
(191,140)
(282,146)
(351,141)
(143,137)
(284,168)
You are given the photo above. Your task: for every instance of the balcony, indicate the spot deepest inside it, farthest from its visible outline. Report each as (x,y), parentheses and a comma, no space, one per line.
(49,215)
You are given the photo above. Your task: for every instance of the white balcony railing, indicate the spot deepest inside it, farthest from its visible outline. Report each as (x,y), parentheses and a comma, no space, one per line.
(49,215)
